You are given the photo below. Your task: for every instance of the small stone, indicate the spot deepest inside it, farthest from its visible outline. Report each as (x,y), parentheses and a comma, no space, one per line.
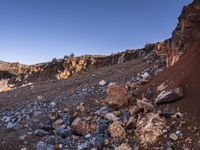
(134,110)
(58,122)
(41,132)
(11,125)
(52,104)
(116,130)
(111,117)
(102,83)
(6,119)
(103,110)
(145,75)
(123,146)
(174,137)
(81,107)
(147,106)
(131,123)
(66,109)
(44,146)
(64,132)
(82,128)
(167,112)
(60,146)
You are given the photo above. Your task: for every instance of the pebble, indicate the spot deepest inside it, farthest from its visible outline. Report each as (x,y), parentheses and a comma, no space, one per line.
(44,146)
(174,137)
(53,104)
(102,83)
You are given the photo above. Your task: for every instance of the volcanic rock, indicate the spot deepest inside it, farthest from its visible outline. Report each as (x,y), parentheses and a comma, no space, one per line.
(169,96)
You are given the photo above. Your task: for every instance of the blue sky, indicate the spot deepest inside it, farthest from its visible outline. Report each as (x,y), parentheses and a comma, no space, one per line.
(33,31)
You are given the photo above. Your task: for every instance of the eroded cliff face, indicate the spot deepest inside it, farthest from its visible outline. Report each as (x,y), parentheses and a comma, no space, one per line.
(59,69)
(187,31)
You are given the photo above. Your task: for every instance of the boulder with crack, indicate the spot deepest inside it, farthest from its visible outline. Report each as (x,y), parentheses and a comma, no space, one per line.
(169,96)
(149,128)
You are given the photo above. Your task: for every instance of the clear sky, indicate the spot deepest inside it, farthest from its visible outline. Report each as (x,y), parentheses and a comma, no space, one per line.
(33,31)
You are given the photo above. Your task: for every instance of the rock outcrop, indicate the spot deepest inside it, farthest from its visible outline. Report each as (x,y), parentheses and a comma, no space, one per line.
(188,24)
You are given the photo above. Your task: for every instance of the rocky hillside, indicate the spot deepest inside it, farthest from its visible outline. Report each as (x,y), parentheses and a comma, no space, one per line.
(126,101)
(186,31)
(59,69)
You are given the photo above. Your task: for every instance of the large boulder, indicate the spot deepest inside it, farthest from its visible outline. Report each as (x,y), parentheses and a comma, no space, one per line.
(169,96)
(117,95)
(149,128)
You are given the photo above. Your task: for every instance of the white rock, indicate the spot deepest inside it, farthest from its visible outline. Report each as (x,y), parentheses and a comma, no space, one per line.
(145,75)
(53,104)
(102,83)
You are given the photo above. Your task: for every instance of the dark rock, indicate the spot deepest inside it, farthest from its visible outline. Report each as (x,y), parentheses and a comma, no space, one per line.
(64,132)
(169,96)
(41,132)
(47,125)
(67,118)
(167,112)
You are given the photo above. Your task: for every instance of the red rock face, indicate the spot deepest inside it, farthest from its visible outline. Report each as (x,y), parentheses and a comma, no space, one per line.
(185,32)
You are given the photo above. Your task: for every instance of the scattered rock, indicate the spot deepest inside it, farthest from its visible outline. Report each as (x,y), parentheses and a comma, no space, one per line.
(167,112)
(149,128)
(147,106)
(174,137)
(169,96)
(131,123)
(117,95)
(64,132)
(41,132)
(103,110)
(53,104)
(123,146)
(145,75)
(102,83)
(116,130)
(82,128)
(44,146)
(111,117)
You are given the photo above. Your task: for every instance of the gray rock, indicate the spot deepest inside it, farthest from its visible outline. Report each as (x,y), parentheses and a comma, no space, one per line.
(41,132)
(6,119)
(84,146)
(64,132)
(11,125)
(167,112)
(169,96)
(52,104)
(44,146)
(103,110)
